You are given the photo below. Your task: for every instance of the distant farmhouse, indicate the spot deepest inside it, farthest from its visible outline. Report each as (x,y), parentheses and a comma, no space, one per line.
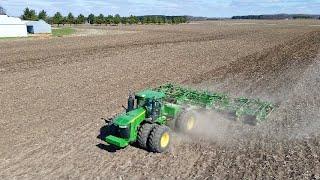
(12,27)
(15,27)
(38,27)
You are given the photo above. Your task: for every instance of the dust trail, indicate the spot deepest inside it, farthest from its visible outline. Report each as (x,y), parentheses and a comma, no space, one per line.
(297,117)
(288,75)
(213,127)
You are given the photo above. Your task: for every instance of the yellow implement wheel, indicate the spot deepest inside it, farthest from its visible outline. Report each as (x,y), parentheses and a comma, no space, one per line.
(190,123)
(186,122)
(165,140)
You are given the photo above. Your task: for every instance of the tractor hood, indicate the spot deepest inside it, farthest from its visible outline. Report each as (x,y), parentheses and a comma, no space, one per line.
(125,119)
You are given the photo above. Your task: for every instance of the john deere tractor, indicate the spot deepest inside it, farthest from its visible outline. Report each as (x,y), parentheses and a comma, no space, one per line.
(151,115)
(148,121)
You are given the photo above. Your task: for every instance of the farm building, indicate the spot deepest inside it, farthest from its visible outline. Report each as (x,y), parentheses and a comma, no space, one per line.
(38,27)
(12,27)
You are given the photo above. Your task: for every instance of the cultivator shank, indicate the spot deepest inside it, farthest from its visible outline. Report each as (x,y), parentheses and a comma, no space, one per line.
(242,107)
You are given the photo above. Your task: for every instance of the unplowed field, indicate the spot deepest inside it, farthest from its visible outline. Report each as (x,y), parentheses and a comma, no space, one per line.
(54,92)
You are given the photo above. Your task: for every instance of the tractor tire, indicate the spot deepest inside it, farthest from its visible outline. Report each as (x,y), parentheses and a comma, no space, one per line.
(186,122)
(143,134)
(159,139)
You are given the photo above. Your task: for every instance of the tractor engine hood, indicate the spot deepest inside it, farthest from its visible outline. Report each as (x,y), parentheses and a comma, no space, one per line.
(125,127)
(126,119)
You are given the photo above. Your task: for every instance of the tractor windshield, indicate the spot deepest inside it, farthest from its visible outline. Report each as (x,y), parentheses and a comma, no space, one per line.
(144,102)
(141,102)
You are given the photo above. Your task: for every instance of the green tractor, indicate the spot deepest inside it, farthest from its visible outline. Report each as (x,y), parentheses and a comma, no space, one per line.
(148,121)
(152,114)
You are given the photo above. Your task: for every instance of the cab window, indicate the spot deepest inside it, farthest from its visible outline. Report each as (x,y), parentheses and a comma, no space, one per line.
(141,102)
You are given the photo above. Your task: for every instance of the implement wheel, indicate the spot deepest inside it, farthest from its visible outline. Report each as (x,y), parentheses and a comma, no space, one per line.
(159,139)
(186,122)
(144,133)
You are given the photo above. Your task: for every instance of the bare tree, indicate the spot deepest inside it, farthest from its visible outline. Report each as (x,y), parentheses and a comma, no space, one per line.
(2,11)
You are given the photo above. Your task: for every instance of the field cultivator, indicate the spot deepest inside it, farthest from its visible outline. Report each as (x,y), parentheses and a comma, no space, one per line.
(243,108)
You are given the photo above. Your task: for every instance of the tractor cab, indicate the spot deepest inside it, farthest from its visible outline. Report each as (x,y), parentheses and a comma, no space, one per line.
(152,101)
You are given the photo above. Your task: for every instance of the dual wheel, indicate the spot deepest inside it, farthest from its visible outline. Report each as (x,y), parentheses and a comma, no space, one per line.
(156,138)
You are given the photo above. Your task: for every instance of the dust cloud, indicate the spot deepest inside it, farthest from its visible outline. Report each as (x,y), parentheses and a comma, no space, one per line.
(297,116)
(217,128)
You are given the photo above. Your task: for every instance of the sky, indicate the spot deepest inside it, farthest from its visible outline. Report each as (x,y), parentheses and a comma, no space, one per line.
(208,8)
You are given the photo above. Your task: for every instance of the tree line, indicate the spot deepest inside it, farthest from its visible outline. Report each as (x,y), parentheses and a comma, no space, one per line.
(2,11)
(58,18)
(278,16)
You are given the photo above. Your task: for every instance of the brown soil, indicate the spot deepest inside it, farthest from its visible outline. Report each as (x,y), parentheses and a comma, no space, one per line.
(54,93)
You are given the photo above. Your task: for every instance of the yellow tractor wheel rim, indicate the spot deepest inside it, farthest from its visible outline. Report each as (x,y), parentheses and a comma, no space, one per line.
(165,138)
(190,123)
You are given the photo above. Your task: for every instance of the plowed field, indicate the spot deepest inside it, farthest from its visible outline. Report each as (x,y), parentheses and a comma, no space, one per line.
(54,92)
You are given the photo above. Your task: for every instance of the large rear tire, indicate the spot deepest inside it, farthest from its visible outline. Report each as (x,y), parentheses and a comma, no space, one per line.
(159,140)
(186,122)
(144,133)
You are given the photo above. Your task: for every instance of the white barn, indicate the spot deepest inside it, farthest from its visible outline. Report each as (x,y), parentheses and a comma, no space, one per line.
(38,27)
(12,27)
